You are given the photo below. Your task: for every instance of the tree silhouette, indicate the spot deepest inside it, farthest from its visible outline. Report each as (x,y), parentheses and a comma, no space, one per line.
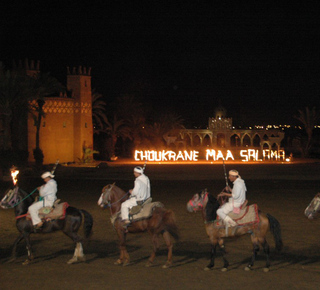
(308,117)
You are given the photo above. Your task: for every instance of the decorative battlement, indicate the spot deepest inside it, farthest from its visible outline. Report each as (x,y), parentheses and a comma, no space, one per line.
(31,67)
(79,71)
(220,123)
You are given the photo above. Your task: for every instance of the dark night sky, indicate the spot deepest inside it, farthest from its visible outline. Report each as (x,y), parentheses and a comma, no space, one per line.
(261,62)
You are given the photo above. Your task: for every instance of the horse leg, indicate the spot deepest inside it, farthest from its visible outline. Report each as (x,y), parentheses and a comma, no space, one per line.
(212,257)
(225,261)
(29,249)
(124,258)
(255,252)
(266,250)
(169,244)
(14,249)
(155,243)
(78,255)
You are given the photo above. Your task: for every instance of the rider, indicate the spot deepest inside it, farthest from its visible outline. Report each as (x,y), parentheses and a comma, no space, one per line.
(48,192)
(237,197)
(140,192)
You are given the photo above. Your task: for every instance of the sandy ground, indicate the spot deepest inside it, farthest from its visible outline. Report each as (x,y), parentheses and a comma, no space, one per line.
(283,190)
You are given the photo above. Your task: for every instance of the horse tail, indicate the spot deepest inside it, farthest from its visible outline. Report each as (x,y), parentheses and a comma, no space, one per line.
(276,231)
(87,224)
(169,220)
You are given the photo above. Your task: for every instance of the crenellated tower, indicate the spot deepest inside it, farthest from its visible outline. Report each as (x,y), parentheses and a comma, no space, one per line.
(79,84)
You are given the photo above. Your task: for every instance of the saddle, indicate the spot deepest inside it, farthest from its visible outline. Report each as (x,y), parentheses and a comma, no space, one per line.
(139,212)
(248,215)
(57,211)
(136,209)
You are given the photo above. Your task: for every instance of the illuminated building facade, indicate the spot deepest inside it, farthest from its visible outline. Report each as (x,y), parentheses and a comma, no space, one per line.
(67,127)
(220,134)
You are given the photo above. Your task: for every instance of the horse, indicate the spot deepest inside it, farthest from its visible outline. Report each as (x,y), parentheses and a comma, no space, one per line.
(20,200)
(161,221)
(208,204)
(313,208)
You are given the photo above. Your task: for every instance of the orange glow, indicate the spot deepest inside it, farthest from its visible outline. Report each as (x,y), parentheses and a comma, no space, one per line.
(14,174)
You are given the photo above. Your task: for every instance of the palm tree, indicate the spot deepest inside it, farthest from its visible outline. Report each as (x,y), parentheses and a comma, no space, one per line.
(168,123)
(99,117)
(308,118)
(42,85)
(14,94)
(115,129)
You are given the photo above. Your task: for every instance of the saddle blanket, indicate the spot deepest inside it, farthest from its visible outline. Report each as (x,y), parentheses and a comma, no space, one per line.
(144,213)
(58,212)
(247,216)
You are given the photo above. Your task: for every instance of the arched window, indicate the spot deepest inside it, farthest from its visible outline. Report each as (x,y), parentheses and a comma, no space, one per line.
(256,141)
(246,141)
(235,141)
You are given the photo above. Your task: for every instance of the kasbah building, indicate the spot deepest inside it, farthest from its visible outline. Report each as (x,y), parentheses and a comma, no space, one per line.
(67,127)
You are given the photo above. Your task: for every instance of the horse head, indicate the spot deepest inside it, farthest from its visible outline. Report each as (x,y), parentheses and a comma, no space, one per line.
(313,208)
(105,196)
(11,198)
(198,201)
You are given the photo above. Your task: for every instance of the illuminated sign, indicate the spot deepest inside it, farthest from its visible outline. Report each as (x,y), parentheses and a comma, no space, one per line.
(210,155)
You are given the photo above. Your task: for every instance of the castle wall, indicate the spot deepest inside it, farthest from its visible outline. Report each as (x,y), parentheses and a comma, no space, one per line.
(67,125)
(56,132)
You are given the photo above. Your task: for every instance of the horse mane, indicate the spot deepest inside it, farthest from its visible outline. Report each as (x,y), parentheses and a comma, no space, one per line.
(211,208)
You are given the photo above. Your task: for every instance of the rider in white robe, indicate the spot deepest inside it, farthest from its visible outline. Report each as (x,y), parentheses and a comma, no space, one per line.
(48,192)
(140,192)
(237,197)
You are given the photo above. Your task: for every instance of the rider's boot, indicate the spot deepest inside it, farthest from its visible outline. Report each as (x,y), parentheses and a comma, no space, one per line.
(229,221)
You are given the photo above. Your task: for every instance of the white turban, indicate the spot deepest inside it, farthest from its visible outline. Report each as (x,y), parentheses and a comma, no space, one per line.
(138,169)
(234,172)
(47,174)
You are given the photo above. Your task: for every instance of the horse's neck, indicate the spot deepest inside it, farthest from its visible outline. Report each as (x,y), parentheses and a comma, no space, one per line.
(210,210)
(23,204)
(117,198)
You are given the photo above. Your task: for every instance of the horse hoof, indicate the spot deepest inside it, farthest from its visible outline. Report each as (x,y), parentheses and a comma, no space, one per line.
(167,265)
(149,264)
(126,264)
(26,262)
(247,268)
(224,269)
(118,262)
(266,270)
(207,269)
(72,260)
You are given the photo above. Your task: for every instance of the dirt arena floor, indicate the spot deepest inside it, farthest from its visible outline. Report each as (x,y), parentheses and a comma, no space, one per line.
(283,190)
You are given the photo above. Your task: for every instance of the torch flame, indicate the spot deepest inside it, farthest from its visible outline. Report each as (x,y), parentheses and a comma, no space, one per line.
(14,174)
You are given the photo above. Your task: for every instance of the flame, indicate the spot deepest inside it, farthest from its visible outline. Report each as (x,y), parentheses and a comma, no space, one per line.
(14,174)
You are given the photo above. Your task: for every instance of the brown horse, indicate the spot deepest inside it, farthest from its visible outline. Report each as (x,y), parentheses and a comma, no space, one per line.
(161,221)
(208,204)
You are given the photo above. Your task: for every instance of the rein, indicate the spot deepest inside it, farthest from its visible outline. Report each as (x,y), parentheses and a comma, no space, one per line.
(24,197)
(111,204)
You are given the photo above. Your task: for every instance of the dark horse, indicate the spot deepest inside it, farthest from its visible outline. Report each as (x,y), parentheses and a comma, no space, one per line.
(162,221)
(70,225)
(208,204)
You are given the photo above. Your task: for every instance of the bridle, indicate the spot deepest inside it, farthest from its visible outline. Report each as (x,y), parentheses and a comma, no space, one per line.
(198,204)
(13,199)
(105,197)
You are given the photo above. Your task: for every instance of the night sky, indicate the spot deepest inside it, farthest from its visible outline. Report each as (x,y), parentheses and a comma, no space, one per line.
(261,62)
